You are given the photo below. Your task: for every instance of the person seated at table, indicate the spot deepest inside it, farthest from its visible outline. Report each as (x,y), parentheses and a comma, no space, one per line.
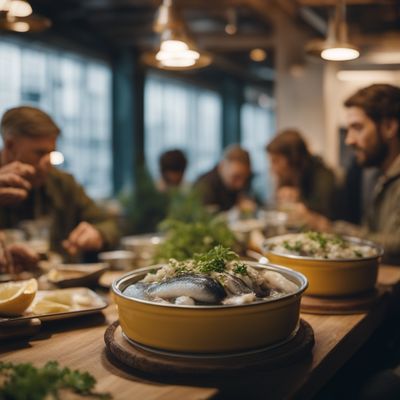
(14,182)
(77,223)
(172,166)
(299,175)
(227,184)
(14,187)
(373,131)
(16,257)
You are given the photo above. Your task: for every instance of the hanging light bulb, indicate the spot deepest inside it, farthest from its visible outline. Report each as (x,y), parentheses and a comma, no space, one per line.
(337,47)
(19,8)
(17,16)
(231,26)
(4,4)
(19,26)
(176,50)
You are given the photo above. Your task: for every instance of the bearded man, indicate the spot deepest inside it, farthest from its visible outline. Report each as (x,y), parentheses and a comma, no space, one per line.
(373,131)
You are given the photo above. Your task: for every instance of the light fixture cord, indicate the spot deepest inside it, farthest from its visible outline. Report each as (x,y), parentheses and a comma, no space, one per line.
(340,22)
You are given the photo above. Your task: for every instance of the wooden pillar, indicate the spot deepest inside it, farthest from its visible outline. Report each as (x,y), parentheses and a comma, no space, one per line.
(128,118)
(232,100)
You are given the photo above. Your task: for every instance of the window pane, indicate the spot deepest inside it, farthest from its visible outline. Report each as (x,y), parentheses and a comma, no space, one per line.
(258,127)
(76,92)
(182,116)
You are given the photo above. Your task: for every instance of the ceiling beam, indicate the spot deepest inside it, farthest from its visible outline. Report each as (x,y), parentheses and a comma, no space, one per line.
(266,10)
(142,36)
(323,3)
(237,70)
(238,42)
(385,41)
(201,4)
(314,20)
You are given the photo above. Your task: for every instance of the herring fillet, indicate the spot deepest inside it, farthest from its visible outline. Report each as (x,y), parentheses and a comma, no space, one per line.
(201,288)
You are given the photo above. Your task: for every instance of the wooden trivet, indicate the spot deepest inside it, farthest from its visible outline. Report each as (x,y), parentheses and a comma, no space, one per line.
(159,363)
(342,305)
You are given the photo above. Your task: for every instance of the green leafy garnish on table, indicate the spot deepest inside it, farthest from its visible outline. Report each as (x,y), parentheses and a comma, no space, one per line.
(27,382)
(184,239)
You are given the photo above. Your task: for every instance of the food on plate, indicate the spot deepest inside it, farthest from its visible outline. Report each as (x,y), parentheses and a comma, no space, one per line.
(213,278)
(321,246)
(61,301)
(16,297)
(72,275)
(56,275)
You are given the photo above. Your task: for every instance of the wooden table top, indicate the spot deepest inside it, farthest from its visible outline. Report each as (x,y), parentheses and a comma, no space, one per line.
(78,343)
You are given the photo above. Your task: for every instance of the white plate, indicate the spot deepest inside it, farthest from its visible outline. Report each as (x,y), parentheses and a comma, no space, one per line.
(97,304)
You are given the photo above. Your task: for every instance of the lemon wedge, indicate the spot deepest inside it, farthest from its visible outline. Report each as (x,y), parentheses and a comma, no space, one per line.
(16,297)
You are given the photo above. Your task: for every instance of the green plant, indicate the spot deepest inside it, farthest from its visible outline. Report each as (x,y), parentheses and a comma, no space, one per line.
(144,206)
(27,382)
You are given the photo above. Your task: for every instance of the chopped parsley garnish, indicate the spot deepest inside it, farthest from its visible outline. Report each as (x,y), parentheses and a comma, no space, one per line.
(338,240)
(214,260)
(358,253)
(297,246)
(24,381)
(318,237)
(240,269)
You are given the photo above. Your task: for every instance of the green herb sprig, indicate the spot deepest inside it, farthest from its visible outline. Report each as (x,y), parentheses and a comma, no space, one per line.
(240,269)
(27,382)
(183,239)
(297,246)
(319,238)
(214,260)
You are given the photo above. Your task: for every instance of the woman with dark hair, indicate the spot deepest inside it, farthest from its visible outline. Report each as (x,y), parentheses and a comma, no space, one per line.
(172,165)
(300,176)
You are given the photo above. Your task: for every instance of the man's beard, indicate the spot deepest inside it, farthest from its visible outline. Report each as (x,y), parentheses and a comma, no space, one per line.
(375,156)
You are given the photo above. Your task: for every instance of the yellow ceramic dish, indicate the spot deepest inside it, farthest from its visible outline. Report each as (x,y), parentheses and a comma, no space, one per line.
(209,329)
(332,277)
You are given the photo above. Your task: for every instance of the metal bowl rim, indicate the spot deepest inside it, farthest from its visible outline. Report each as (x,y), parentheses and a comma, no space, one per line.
(301,279)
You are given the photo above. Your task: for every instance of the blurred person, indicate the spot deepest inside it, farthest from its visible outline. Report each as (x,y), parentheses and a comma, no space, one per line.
(77,224)
(14,187)
(300,176)
(16,257)
(227,184)
(172,166)
(14,182)
(373,132)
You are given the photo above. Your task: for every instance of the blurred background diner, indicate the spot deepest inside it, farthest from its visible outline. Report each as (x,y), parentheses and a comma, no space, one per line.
(253,122)
(300,176)
(133,132)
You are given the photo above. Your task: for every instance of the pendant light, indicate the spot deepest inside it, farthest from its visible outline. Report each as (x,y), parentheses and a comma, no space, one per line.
(176,51)
(17,16)
(336,46)
(15,8)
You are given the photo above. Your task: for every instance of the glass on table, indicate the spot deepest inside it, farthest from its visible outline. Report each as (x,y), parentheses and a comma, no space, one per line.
(37,234)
